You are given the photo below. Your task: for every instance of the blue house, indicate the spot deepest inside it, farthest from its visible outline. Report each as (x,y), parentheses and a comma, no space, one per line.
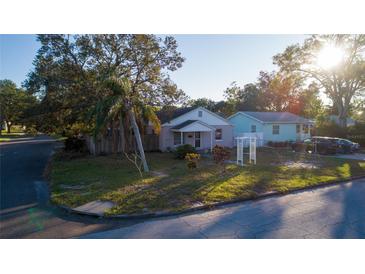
(270,126)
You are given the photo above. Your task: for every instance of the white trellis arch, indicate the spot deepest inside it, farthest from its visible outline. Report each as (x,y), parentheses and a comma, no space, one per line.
(241,143)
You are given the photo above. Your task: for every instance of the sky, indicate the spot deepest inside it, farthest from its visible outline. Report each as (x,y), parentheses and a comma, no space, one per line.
(212,62)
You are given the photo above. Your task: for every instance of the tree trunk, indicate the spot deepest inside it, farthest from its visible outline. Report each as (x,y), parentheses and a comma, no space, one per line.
(342,121)
(137,136)
(121,133)
(8,126)
(342,116)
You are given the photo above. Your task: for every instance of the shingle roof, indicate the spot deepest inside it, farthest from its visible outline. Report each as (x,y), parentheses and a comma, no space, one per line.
(276,117)
(184,124)
(168,115)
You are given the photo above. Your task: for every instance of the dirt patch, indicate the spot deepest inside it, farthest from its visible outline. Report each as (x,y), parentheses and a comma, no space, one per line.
(305,165)
(160,174)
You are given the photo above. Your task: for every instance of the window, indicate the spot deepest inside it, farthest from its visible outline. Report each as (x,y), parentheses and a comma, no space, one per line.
(306,129)
(200,113)
(177,138)
(253,128)
(218,134)
(298,128)
(197,139)
(275,129)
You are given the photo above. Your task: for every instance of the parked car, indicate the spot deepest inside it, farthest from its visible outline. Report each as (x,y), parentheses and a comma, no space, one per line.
(347,146)
(317,144)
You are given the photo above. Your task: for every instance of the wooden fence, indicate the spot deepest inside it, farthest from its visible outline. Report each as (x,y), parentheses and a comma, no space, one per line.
(104,145)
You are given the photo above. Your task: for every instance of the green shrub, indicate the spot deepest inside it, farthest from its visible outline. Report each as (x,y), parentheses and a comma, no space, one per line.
(182,150)
(31,131)
(279,144)
(192,160)
(75,144)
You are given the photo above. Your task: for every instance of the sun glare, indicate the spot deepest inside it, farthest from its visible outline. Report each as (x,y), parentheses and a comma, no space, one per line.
(330,56)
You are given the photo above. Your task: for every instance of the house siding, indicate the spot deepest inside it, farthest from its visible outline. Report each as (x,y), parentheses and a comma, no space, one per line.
(242,124)
(287,132)
(227,136)
(166,139)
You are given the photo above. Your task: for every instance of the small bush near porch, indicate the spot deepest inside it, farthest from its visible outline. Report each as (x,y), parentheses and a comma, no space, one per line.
(172,186)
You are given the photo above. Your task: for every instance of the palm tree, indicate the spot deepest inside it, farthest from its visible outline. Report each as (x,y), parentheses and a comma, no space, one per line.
(122,106)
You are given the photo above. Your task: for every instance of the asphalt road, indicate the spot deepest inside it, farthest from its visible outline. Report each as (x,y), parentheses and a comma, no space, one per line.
(25,211)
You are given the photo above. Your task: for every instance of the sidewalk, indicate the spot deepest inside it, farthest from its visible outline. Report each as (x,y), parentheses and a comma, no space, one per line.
(331,212)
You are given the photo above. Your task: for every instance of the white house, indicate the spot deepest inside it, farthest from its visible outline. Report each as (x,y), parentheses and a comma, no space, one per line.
(270,126)
(198,127)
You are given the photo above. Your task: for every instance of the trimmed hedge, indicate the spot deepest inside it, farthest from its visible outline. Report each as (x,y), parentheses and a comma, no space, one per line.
(182,150)
(279,144)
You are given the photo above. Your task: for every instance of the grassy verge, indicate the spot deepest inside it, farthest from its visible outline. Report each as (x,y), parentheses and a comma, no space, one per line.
(171,186)
(58,137)
(6,137)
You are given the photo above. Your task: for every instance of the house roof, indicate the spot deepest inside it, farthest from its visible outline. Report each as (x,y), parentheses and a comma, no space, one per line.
(168,115)
(184,124)
(276,117)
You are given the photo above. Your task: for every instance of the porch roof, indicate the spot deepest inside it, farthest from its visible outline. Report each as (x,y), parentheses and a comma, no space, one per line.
(193,126)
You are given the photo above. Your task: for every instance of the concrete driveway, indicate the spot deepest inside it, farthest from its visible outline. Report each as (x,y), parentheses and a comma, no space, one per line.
(336,211)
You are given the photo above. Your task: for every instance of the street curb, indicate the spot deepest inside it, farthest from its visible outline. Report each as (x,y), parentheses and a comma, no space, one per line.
(208,206)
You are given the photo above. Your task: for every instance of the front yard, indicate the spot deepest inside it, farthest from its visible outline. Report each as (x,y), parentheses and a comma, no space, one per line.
(172,186)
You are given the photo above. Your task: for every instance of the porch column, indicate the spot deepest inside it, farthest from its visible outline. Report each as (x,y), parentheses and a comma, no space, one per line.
(181,138)
(211,141)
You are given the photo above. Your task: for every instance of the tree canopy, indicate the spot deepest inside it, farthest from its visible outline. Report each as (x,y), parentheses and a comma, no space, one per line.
(14,104)
(70,71)
(335,62)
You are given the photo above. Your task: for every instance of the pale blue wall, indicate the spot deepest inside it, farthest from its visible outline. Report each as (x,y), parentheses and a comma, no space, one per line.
(287,132)
(242,124)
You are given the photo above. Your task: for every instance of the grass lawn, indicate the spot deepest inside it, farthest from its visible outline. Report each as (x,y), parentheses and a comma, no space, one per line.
(16,134)
(172,186)
(5,137)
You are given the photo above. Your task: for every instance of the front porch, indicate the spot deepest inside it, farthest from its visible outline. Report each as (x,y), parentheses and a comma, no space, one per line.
(194,133)
(303,131)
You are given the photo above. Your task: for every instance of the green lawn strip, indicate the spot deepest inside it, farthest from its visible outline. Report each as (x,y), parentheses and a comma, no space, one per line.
(78,181)
(58,137)
(6,137)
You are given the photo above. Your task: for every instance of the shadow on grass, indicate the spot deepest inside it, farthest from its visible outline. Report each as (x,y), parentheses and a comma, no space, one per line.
(110,178)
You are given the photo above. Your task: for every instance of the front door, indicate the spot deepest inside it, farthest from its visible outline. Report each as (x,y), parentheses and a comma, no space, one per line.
(197,140)
(189,138)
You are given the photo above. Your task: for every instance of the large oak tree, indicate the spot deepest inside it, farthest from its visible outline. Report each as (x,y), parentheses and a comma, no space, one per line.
(342,74)
(71,71)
